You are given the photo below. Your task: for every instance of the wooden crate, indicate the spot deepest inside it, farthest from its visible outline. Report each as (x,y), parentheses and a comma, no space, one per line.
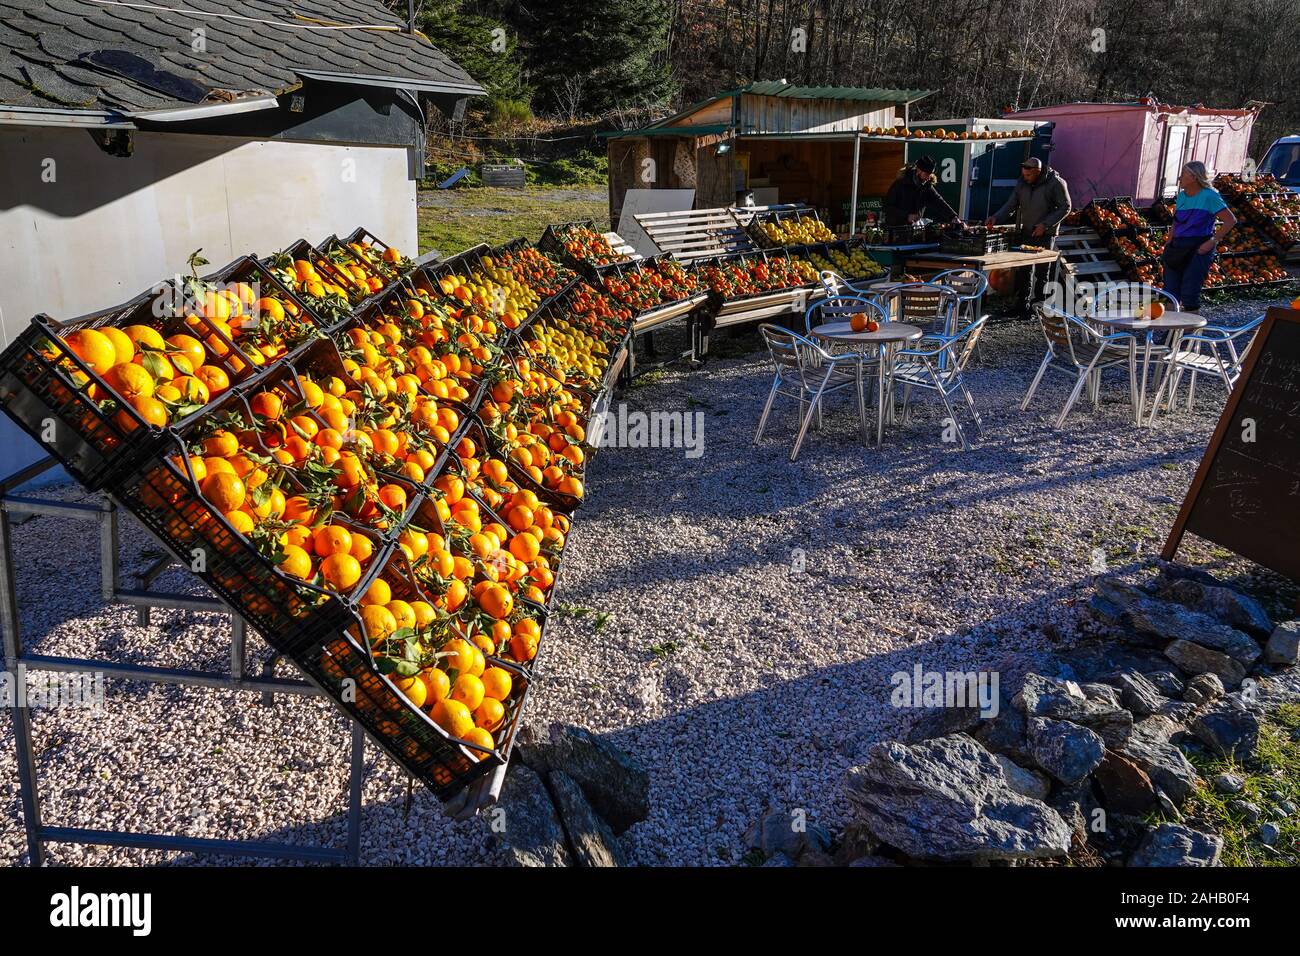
(1086,257)
(502,174)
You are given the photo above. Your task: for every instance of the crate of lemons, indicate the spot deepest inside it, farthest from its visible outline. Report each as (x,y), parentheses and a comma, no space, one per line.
(795,232)
(853,263)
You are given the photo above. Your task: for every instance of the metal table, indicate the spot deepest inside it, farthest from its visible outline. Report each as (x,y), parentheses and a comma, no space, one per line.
(1175,323)
(886,339)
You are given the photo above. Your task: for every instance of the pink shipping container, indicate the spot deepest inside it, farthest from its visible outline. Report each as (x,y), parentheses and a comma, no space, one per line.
(1137,149)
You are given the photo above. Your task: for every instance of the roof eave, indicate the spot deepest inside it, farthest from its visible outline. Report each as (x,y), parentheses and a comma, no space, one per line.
(58,116)
(200,111)
(395,82)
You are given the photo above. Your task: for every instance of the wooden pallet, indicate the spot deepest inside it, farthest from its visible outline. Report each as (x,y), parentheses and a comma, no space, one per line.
(1085,257)
(696,233)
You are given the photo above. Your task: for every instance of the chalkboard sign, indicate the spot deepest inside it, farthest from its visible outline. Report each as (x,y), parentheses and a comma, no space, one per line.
(1246,493)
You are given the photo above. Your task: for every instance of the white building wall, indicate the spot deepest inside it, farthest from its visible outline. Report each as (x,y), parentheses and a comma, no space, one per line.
(107,228)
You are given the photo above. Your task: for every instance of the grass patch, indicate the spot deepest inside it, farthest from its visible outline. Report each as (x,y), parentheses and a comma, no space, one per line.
(457,218)
(1277,751)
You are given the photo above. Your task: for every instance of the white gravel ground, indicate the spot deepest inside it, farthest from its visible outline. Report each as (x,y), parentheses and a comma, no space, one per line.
(739,682)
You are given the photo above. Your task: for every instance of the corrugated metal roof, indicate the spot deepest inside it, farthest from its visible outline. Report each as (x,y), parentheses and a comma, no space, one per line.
(139,55)
(864,94)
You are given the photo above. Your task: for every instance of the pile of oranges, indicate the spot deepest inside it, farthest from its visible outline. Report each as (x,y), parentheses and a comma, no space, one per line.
(419,461)
(174,364)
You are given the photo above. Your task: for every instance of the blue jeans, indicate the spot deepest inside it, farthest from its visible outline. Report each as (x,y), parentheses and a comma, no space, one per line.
(1185,281)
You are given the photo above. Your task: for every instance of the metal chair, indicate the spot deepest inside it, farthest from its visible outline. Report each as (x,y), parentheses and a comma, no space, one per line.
(840,308)
(1128,297)
(1076,348)
(833,283)
(1212,350)
(939,368)
(930,307)
(804,370)
(970,286)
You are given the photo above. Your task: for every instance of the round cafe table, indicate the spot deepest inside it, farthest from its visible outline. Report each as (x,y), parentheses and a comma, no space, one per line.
(1177,324)
(885,339)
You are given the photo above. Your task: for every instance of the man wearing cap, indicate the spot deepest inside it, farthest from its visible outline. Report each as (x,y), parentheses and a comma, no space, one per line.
(1038,204)
(912,195)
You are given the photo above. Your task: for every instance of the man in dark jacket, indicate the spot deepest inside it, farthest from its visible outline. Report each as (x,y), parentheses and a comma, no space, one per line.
(913,194)
(1037,205)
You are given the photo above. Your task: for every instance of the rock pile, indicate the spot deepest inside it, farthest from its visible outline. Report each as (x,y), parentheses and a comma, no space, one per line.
(1076,760)
(567,797)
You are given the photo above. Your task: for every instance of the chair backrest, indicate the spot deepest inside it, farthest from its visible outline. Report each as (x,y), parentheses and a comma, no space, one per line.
(923,304)
(833,283)
(840,308)
(962,345)
(782,345)
(1065,333)
(967,283)
(1232,334)
(1129,297)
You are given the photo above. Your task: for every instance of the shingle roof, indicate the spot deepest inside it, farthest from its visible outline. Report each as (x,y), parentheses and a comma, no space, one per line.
(134,55)
(865,94)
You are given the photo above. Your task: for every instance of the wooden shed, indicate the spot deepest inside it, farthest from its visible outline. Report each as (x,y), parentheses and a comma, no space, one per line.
(790,143)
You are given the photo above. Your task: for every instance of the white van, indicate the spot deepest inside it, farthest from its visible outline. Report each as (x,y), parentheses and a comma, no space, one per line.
(1283,161)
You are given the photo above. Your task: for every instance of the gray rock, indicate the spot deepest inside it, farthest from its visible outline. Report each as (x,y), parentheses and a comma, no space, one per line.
(1227,783)
(1168,621)
(811,857)
(947,799)
(779,832)
(1030,783)
(1228,729)
(1172,844)
(1064,700)
(1167,806)
(1077,805)
(1103,693)
(1197,659)
(1125,787)
(1269,833)
(1161,761)
(873,861)
(855,841)
(1251,811)
(1138,694)
(1005,734)
(615,783)
(778,859)
(531,827)
(942,721)
(590,838)
(1159,726)
(1283,645)
(1166,682)
(1203,688)
(1285,808)
(1231,607)
(1066,750)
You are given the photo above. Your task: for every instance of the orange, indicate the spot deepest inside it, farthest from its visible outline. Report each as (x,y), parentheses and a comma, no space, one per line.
(378,622)
(524,546)
(130,381)
(413,687)
(424,614)
(332,539)
(468,689)
(460,655)
(402,613)
(496,601)
(497,683)
(214,378)
(296,563)
(436,683)
(241,521)
(189,347)
(453,717)
(362,547)
(378,593)
(142,337)
(341,572)
(489,714)
(267,404)
(520,517)
(393,496)
(478,735)
(95,349)
(225,491)
(122,344)
(270,307)
(300,509)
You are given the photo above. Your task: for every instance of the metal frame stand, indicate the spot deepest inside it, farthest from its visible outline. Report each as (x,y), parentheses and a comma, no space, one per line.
(104,513)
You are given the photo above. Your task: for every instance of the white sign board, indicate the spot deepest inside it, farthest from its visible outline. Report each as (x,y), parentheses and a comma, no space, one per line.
(639,201)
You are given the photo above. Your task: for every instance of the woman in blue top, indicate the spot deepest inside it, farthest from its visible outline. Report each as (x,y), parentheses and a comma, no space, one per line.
(1201,219)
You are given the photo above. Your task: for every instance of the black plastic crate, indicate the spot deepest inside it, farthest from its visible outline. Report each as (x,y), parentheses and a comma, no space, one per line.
(972,242)
(553,241)
(403,263)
